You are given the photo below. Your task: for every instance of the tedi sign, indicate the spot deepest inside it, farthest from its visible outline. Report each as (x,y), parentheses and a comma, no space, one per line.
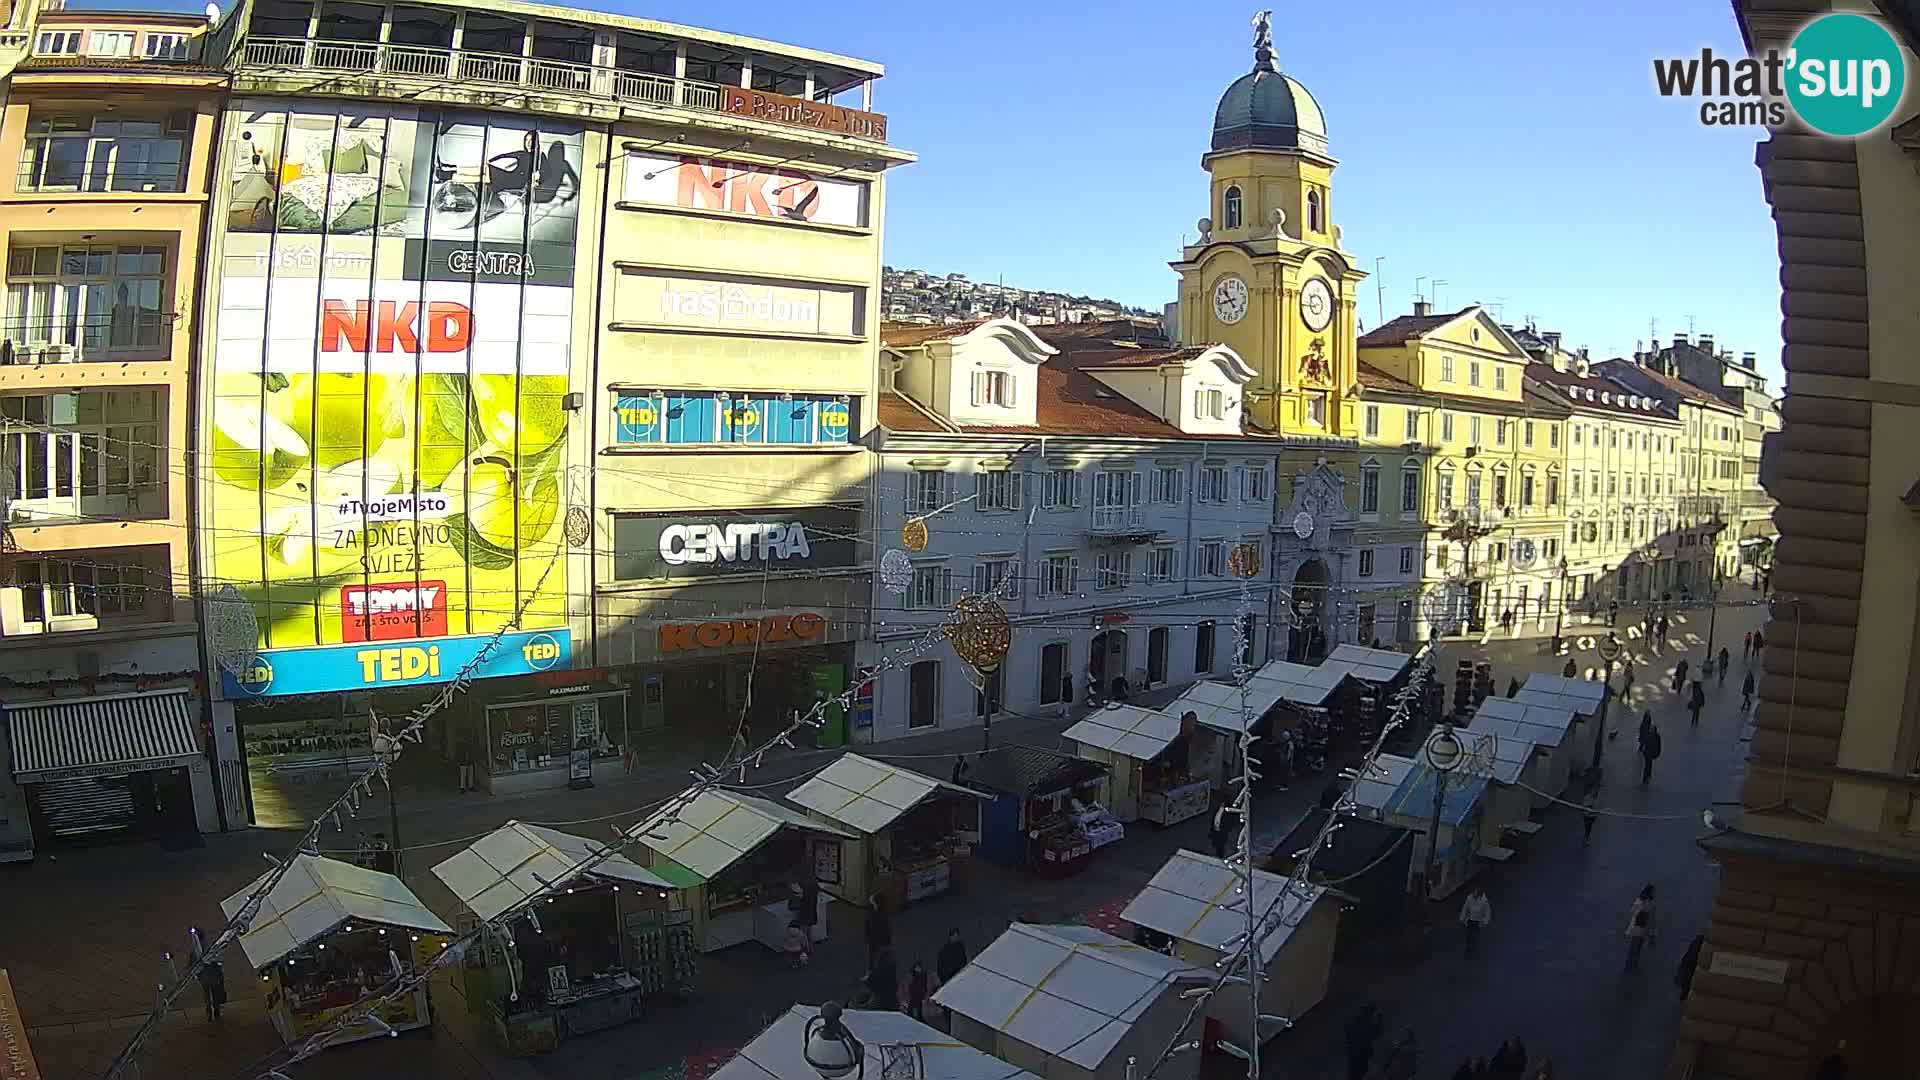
(760,541)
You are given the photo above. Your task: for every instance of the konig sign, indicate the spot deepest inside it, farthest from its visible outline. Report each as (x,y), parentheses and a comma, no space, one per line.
(676,544)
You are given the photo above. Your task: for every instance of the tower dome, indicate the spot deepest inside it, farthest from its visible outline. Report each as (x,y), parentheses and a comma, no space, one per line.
(1267,110)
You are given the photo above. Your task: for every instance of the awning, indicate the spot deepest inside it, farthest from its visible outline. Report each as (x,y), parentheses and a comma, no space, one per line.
(1195,898)
(1138,733)
(517,861)
(1302,685)
(70,738)
(779,1052)
(868,795)
(1582,697)
(719,828)
(318,894)
(1372,665)
(1217,705)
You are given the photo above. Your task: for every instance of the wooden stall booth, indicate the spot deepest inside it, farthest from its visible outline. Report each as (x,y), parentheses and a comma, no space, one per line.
(1462,832)
(327,934)
(1149,755)
(914,834)
(1581,697)
(1073,1003)
(607,943)
(1368,858)
(1549,728)
(1219,709)
(887,1040)
(1379,674)
(1513,767)
(1193,900)
(737,857)
(1043,809)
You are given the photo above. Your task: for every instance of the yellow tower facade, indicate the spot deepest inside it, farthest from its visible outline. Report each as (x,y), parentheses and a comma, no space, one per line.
(1268,276)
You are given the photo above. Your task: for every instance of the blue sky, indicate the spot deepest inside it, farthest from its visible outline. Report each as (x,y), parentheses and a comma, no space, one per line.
(1521,155)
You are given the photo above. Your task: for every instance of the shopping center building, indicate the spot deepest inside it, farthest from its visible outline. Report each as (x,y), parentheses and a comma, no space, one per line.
(542,350)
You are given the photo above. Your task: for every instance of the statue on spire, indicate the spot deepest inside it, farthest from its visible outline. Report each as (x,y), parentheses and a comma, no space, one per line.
(1263,41)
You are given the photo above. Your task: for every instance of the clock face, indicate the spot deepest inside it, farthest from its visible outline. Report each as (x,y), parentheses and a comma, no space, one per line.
(1303,525)
(1316,304)
(1230,300)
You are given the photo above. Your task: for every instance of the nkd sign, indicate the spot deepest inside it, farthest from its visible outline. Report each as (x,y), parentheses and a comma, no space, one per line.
(675,544)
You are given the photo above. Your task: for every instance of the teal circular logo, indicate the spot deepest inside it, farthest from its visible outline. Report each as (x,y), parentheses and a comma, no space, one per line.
(1845,74)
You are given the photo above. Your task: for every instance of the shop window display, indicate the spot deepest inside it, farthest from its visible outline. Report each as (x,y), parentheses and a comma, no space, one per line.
(543,734)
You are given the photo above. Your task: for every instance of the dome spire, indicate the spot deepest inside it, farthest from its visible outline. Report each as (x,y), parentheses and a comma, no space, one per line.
(1263,41)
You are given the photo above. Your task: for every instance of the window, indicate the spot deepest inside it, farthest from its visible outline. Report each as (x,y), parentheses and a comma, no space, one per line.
(1203,647)
(1413,425)
(1576,486)
(1473,431)
(1213,484)
(1370,489)
(1209,405)
(1613,486)
(1473,487)
(1473,373)
(1163,564)
(1116,498)
(1210,559)
(1316,219)
(923,694)
(85,302)
(1440,556)
(1113,570)
(1062,489)
(165,47)
(1613,439)
(1526,434)
(1060,575)
(105,584)
(1610,531)
(996,575)
(57,43)
(1406,560)
(1576,434)
(1317,409)
(926,491)
(993,388)
(110,43)
(1373,421)
(1500,432)
(1410,489)
(1253,483)
(1553,436)
(1168,484)
(997,489)
(1526,487)
(1053,673)
(1500,489)
(932,587)
(1230,210)
(1446,369)
(1446,427)
(1499,377)
(1366,562)
(1443,489)
(1248,634)
(1549,547)
(69,455)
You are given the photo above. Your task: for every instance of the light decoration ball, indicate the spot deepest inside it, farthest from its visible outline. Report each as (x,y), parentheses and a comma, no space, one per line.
(980,632)
(913,535)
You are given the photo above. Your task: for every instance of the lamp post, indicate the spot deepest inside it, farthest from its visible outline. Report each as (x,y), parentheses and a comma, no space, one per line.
(830,1048)
(1444,754)
(1609,652)
(1560,613)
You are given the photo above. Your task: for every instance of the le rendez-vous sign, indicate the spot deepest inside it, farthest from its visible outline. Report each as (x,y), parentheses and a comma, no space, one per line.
(799,112)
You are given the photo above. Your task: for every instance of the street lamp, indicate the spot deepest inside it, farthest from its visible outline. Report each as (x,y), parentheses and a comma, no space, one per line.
(830,1048)
(1560,613)
(1444,753)
(1609,652)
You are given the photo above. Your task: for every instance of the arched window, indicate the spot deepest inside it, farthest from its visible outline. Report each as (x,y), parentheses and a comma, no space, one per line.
(1315,219)
(1230,209)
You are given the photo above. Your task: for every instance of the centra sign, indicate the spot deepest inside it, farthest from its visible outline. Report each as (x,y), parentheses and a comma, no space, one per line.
(758,541)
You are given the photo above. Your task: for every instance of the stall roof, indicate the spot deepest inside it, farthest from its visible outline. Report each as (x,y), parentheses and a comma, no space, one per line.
(1071,992)
(1141,734)
(1498,757)
(1027,771)
(777,1053)
(1581,696)
(516,861)
(1360,845)
(865,794)
(1414,797)
(1300,684)
(1546,725)
(1375,789)
(1371,665)
(1216,705)
(1192,898)
(317,894)
(719,828)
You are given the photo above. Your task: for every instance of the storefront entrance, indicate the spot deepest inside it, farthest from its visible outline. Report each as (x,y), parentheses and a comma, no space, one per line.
(1107,663)
(156,803)
(703,702)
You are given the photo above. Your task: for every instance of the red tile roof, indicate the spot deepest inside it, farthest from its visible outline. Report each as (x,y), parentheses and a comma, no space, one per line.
(1401,330)
(899,413)
(907,335)
(1126,358)
(1373,378)
(1679,387)
(1113,331)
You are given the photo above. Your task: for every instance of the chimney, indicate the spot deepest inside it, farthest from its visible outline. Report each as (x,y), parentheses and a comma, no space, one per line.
(1746,360)
(1706,343)
(1679,340)
(1421,308)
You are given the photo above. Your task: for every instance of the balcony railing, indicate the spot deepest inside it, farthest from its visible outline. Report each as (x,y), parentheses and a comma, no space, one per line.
(1117,519)
(489,69)
(117,337)
(47,178)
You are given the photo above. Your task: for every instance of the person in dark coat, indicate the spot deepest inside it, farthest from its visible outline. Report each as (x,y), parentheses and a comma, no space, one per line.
(1649,753)
(1513,687)
(1679,675)
(1362,1032)
(879,931)
(1500,1065)
(883,980)
(213,986)
(951,957)
(960,768)
(917,991)
(1696,700)
(1572,670)
(1646,724)
(1689,961)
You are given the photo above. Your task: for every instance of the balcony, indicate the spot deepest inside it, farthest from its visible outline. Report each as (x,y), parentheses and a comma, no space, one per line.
(1124,523)
(615,86)
(124,336)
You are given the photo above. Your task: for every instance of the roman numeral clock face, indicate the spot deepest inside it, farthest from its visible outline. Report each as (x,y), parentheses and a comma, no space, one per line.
(1230,300)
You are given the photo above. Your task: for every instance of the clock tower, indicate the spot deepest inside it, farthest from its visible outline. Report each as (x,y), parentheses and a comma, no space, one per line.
(1268,276)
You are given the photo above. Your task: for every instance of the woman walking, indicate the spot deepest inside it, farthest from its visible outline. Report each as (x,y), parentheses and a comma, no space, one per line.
(1721,668)
(1640,926)
(1696,701)
(1746,692)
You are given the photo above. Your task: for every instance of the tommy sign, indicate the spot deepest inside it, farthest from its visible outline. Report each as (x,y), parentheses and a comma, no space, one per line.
(673,544)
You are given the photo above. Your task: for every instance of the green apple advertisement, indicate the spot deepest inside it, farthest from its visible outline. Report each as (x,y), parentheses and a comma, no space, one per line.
(387,430)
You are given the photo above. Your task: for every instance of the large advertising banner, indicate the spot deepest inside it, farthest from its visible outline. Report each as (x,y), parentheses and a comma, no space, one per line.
(388,427)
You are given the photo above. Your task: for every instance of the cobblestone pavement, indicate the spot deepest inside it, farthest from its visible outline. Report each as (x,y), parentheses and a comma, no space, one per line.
(81,930)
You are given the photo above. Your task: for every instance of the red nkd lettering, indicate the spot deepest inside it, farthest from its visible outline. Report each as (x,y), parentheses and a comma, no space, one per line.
(392,326)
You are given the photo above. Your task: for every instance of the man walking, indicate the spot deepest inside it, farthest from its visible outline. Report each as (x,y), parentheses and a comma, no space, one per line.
(1746,648)
(1640,926)
(1571,670)
(1680,675)
(1613,612)
(1746,692)
(1475,915)
(1721,668)
(1696,701)
(1649,752)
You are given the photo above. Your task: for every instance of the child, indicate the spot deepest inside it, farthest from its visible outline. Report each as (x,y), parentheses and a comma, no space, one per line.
(799,949)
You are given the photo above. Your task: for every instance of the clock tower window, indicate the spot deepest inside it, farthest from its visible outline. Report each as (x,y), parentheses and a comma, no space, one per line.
(1230,208)
(1316,216)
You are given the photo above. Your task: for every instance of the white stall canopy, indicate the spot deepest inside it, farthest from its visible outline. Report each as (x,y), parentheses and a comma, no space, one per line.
(1499,758)
(1580,696)
(1218,705)
(1127,730)
(778,1054)
(1070,992)
(1371,665)
(1300,684)
(517,861)
(1373,790)
(1511,718)
(868,795)
(719,828)
(1192,899)
(318,894)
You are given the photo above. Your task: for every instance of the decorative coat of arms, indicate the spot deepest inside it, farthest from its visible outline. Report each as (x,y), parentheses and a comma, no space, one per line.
(1314,364)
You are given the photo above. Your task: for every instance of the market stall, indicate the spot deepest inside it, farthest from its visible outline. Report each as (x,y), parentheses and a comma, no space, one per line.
(326,934)
(1148,754)
(607,941)
(1547,727)
(1462,833)
(1379,675)
(1219,709)
(1373,789)
(1073,1003)
(1584,698)
(1194,900)
(1043,812)
(735,857)
(887,1038)
(914,833)
(1369,859)
(1514,768)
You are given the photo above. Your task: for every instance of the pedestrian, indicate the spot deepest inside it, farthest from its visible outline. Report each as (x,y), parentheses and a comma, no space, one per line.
(627,756)
(1571,670)
(1466,1070)
(1766,581)
(1696,701)
(1646,724)
(1746,692)
(951,957)
(1506,621)
(1721,668)
(1613,612)
(799,949)
(738,750)
(1403,1058)
(1689,961)
(1500,1066)
(883,981)
(362,850)
(1226,828)
(960,768)
(1589,813)
(1680,675)
(879,929)
(1475,914)
(213,986)
(1513,687)
(1626,668)
(1759,643)
(1660,629)
(1649,753)
(1283,758)
(1519,1057)
(1746,648)
(464,755)
(1640,926)
(1363,1030)
(917,991)
(383,856)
